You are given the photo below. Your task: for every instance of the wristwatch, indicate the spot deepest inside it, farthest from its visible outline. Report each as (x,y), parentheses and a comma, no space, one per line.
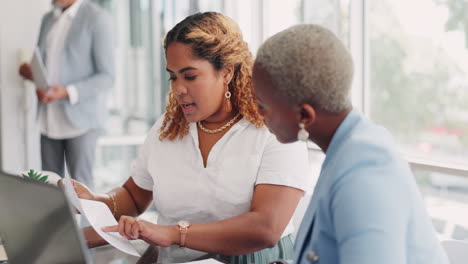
(183,229)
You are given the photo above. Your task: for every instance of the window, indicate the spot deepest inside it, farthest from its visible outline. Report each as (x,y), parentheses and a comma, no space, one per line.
(446,198)
(135,101)
(416,85)
(418,76)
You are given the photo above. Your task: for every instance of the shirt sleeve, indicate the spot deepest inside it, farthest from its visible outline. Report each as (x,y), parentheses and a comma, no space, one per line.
(139,170)
(72,94)
(285,164)
(370,215)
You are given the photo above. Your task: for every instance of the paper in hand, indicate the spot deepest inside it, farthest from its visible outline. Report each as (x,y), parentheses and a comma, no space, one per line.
(205,261)
(39,71)
(99,216)
(71,194)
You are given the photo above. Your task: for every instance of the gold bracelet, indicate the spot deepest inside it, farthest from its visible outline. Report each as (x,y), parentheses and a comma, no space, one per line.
(114,205)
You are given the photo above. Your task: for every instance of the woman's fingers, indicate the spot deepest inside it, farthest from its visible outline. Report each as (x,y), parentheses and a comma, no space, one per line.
(128,227)
(122,226)
(114,228)
(136,230)
(82,191)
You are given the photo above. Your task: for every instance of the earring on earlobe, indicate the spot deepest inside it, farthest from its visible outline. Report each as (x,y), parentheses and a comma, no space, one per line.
(227,105)
(302,135)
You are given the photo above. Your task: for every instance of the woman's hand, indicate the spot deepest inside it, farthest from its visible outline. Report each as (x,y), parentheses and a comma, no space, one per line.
(81,190)
(25,71)
(154,234)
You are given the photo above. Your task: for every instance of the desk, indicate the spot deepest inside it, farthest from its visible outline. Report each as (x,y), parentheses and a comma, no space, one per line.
(103,255)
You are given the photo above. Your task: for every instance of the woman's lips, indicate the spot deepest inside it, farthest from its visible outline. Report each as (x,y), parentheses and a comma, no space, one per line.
(187,108)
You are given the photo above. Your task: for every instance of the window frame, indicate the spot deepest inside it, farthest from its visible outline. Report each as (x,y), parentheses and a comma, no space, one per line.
(360,51)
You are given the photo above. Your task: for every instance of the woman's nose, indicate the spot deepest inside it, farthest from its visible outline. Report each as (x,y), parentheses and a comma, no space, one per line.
(178,88)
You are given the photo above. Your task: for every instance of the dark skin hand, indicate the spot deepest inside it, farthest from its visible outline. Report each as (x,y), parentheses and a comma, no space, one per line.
(25,71)
(54,93)
(131,200)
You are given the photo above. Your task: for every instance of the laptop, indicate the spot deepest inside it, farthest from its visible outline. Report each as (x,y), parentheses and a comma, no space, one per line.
(37,224)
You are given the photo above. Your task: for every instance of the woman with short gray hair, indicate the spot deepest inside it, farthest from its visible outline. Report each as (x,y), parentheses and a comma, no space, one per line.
(366,207)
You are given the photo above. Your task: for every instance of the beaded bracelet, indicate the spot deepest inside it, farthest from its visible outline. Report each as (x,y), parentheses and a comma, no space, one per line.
(114,205)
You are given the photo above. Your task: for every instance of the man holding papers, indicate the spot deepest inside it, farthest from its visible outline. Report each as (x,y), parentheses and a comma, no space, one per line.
(76,46)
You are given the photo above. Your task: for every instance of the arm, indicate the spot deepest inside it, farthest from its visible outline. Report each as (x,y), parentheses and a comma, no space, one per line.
(126,200)
(370,211)
(25,68)
(271,210)
(262,227)
(130,200)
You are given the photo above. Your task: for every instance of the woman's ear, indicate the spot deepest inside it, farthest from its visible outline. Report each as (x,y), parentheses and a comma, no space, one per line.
(308,115)
(228,73)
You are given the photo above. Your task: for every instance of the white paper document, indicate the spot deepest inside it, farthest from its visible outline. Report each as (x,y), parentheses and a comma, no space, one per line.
(99,216)
(38,71)
(205,261)
(71,194)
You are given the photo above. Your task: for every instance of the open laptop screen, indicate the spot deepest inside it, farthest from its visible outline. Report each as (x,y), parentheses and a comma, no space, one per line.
(37,224)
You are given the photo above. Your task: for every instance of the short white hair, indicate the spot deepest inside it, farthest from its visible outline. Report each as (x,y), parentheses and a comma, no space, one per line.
(309,64)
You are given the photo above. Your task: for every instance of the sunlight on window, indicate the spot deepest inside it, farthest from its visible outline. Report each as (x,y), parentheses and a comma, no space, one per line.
(418,77)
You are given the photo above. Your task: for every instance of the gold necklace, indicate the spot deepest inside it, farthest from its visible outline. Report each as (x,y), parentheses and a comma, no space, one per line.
(213,131)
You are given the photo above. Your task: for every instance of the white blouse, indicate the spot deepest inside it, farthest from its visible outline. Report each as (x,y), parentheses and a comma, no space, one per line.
(183,189)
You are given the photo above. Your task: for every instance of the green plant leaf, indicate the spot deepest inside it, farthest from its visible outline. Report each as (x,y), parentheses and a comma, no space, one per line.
(33,175)
(43,178)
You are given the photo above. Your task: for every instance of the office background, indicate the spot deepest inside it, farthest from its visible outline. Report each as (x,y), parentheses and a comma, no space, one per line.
(411,75)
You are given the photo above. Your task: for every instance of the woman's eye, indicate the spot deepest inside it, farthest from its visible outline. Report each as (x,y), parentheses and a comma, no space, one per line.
(172,78)
(190,78)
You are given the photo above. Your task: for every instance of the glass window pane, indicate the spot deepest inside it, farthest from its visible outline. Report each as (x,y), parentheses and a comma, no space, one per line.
(446,198)
(290,13)
(134,102)
(332,14)
(418,75)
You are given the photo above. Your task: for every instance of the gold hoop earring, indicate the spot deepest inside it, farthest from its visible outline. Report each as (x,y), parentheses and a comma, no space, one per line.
(227,105)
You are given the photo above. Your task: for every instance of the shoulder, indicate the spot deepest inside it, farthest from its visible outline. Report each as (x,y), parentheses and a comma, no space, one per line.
(92,8)
(264,139)
(94,12)
(48,17)
(369,160)
(369,145)
(155,130)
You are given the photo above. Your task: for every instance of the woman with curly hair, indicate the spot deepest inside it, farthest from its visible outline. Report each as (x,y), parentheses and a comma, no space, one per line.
(220,181)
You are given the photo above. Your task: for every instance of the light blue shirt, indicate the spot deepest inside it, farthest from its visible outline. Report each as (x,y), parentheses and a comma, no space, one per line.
(366,207)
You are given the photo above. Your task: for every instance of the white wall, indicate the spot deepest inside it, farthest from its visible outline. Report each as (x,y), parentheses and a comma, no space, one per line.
(19,28)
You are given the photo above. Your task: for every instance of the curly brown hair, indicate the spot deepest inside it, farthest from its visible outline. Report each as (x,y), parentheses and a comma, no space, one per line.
(217,39)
